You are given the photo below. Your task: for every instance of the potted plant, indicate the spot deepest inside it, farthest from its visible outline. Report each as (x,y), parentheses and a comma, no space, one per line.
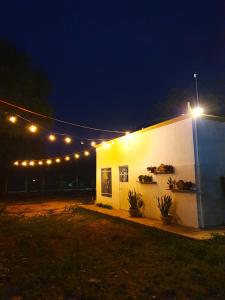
(169,168)
(135,203)
(141,178)
(152,169)
(148,179)
(164,205)
(171,183)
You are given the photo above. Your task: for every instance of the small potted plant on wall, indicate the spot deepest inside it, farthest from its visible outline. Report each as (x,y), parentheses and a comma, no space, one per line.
(164,205)
(135,203)
(171,183)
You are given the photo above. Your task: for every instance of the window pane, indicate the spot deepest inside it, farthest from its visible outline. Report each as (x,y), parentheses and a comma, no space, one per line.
(123,170)
(106,180)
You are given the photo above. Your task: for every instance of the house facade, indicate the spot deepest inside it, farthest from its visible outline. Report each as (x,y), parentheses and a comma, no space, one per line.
(196,150)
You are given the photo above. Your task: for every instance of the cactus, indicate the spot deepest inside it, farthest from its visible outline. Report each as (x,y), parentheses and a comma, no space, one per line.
(164,205)
(136,203)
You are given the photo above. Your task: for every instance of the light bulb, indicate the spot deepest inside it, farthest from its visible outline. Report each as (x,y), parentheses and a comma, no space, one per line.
(86,153)
(33,128)
(52,137)
(68,140)
(13,119)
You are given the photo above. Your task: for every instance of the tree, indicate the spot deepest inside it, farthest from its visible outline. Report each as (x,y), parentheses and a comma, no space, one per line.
(22,84)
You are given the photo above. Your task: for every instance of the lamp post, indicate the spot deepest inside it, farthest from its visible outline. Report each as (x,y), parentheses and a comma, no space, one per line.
(198,112)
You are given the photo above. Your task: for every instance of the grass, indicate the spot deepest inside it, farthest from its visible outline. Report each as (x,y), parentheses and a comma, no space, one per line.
(85,255)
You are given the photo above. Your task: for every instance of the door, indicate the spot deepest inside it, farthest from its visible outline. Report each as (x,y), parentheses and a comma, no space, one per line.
(123,187)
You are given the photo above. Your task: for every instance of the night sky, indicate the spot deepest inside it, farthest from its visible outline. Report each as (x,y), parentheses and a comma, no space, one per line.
(110,61)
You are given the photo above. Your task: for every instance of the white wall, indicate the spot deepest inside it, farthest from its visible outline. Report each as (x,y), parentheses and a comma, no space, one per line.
(168,143)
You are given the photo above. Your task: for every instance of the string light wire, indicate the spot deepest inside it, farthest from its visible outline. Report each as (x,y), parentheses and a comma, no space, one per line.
(58,120)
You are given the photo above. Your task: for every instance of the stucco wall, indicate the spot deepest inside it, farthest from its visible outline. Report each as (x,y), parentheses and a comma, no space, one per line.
(211,149)
(169,144)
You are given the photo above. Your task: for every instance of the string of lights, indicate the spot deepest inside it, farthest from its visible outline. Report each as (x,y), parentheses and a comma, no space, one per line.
(58,120)
(66,158)
(51,136)
(52,160)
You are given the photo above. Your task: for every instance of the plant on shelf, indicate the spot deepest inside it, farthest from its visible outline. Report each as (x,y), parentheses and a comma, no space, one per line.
(135,203)
(171,183)
(152,169)
(162,169)
(185,185)
(145,179)
(164,205)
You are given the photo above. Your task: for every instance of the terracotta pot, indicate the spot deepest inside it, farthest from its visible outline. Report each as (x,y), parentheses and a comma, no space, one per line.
(135,213)
(166,220)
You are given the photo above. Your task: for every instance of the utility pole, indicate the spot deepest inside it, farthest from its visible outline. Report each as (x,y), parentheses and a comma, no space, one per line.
(196,89)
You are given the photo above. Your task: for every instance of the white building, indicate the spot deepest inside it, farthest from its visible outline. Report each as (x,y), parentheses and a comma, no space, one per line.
(196,149)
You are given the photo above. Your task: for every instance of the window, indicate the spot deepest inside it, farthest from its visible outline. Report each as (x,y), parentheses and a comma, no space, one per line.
(106,181)
(123,173)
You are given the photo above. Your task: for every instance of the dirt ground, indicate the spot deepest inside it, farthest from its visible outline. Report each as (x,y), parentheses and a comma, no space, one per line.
(48,252)
(38,209)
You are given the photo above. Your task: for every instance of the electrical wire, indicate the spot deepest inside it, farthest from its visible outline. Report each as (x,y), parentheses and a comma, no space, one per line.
(58,120)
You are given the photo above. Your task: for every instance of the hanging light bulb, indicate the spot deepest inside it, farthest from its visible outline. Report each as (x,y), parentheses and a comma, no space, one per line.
(67,158)
(49,162)
(52,137)
(58,160)
(12,119)
(40,163)
(67,140)
(33,128)
(76,155)
(82,142)
(16,163)
(86,153)
(24,163)
(93,144)
(32,163)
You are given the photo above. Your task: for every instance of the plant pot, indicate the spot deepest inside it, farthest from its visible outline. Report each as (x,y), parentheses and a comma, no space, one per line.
(166,220)
(135,213)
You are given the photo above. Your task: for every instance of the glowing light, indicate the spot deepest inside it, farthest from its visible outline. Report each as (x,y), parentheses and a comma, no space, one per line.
(33,128)
(32,163)
(76,155)
(82,142)
(197,111)
(67,158)
(13,119)
(16,163)
(40,163)
(127,133)
(52,137)
(93,144)
(68,140)
(86,153)
(24,163)
(58,160)
(49,162)
(103,143)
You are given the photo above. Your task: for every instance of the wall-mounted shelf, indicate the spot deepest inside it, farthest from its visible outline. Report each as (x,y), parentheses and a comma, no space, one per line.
(153,182)
(182,191)
(160,173)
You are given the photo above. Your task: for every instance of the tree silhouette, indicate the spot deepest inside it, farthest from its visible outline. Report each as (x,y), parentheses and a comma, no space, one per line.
(23,84)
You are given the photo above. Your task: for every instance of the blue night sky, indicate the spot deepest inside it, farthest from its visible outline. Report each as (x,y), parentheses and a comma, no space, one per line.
(110,61)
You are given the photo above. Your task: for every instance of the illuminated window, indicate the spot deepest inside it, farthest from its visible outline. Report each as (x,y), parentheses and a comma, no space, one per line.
(106,182)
